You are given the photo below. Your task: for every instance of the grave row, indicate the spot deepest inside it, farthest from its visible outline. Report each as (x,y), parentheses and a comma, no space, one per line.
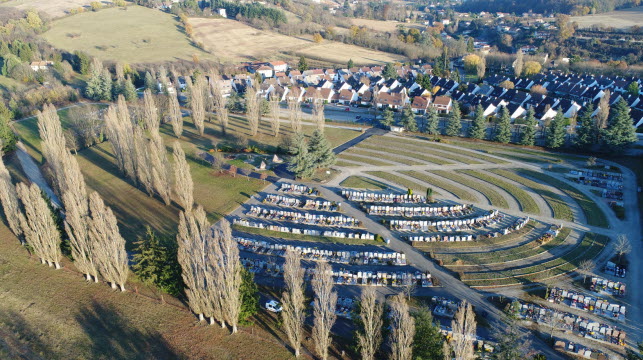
(310,253)
(579,350)
(286,229)
(519,224)
(569,322)
(420,211)
(373,197)
(343,277)
(492,217)
(302,218)
(598,175)
(298,189)
(308,204)
(608,287)
(588,303)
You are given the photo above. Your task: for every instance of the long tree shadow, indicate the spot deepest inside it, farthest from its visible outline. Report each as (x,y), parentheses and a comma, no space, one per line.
(21,340)
(113,336)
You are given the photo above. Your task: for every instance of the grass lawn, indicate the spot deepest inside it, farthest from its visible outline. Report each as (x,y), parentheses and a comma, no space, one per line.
(492,195)
(456,191)
(524,251)
(589,248)
(526,202)
(593,213)
(107,34)
(371,153)
(401,182)
(512,151)
(49,314)
(346,155)
(361,182)
(426,147)
(558,206)
(415,153)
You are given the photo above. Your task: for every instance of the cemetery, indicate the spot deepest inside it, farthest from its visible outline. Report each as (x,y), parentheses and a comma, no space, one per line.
(591,304)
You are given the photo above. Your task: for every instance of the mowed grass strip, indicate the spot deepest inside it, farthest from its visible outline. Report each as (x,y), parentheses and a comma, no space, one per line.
(510,150)
(516,235)
(455,150)
(456,191)
(589,249)
(527,204)
(414,155)
(594,215)
(492,195)
(524,251)
(362,161)
(424,147)
(345,164)
(385,156)
(558,206)
(362,182)
(403,182)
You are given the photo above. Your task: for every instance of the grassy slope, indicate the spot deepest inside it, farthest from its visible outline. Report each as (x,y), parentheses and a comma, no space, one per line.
(361,182)
(108,34)
(56,315)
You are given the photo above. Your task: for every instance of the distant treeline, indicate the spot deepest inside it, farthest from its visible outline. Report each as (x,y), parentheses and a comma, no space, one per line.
(250,11)
(581,7)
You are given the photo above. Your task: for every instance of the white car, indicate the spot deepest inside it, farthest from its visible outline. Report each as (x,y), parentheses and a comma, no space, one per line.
(274,306)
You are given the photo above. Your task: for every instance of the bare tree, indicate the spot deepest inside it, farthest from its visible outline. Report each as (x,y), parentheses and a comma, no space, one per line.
(109,245)
(40,229)
(121,136)
(86,123)
(10,204)
(603,110)
(183,185)
(323,308)
(160,167)
(229,265)
(481,68)
(163,80)
(142,161)
(292,300)
(464,332)
(176,118)
(252,110)
(275,120)
(197,103)
(622,246)
(294,113)
(53,142)
(318,114)
(150,111)
(192,256)
(402,329)
(591,161)
(585,267)
(219,101)
(518,64)
(371,314)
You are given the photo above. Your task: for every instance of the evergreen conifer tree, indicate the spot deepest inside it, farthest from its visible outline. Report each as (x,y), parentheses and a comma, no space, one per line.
(150,82)
(320,151)
(479,126)
(387,118)
(300,162)
(432,121)
(129,90)
(8,139)
(303,64)
(454,124)
(619,133)
(389,71)
(587,133)
(408,119)
(503,132)
(529,132)
(555,137)
(428,340)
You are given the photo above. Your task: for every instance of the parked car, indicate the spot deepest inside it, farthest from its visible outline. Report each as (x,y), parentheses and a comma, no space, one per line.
(358,117)
(347,109)
(274,306)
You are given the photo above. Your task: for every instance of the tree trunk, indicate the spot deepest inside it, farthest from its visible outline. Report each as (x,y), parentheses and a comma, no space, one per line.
(50,263)
(57,265)
(122,287)
(212,322)
(96,279)
(223,324)
(234,329)
(297,353)
(201,318)
(88,277)
(42,261)
(114,285)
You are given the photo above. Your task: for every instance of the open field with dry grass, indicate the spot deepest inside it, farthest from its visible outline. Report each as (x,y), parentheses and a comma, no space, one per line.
(109,35)
(381,25)
(230,40)
(54,8)
(618,18)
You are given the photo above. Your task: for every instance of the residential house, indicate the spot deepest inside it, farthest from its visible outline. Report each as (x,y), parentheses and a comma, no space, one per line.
(442,104)
(392,101)
(347,97)
(420,104)
(278,66)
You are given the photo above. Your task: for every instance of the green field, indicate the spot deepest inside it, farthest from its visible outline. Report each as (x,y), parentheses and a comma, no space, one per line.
(527,204)
(492,195)
(109,35)
(456,191)
(361,182)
